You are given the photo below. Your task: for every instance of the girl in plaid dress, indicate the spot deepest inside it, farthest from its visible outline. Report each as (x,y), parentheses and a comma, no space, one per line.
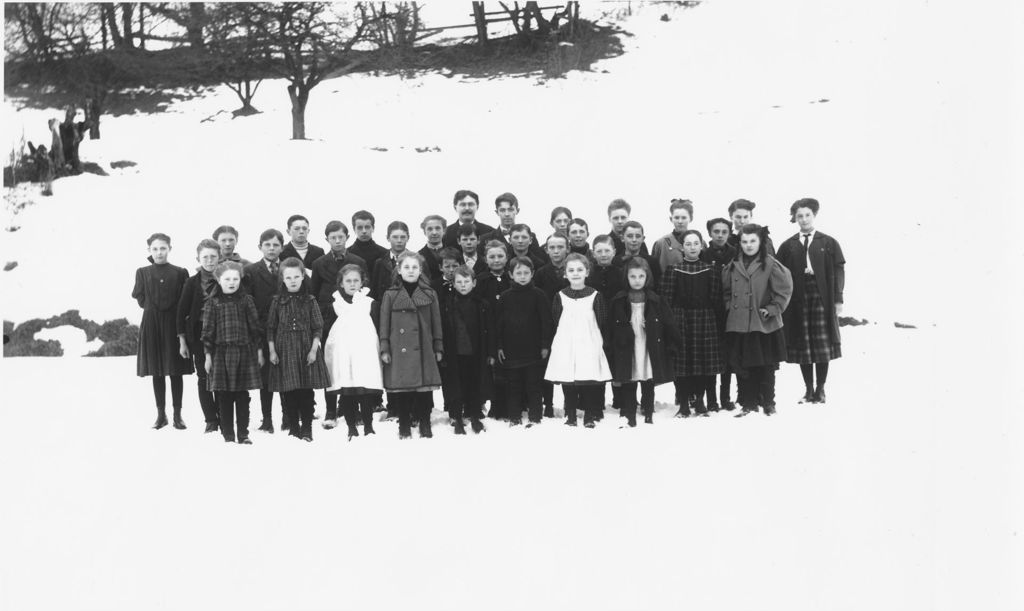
(812,320)
(234,355)
(294,328)
(693,290)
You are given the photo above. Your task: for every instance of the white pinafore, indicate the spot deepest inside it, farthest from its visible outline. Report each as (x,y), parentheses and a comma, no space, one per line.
(352,350)
(577,354)
(642,369)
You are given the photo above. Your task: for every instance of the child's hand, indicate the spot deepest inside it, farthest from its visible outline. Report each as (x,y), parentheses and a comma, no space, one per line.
(209,364)
(273,358)
(544,352)
(311,357)
(839,309)
(764,313)
(439,356)
(183,350)
(491,360)
(385,358)
(501,356)
(259,357)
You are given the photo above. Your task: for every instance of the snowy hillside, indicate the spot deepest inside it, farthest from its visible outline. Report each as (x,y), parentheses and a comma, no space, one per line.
(904,492)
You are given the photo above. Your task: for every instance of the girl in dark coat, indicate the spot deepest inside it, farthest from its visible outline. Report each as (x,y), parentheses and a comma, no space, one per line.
(642,335)
(190,325)
(756,290)
(158,288)
(232,340)
(294,331)
(466,377)
(411,343)
(524,331)
(812,319)
(693,290)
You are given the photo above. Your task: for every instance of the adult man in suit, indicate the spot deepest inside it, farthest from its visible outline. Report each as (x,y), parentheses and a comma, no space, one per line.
(466,204)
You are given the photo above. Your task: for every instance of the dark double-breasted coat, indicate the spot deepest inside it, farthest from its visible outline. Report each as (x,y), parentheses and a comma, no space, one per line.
(485,337)
(829,266)
(411,333)
(663,337)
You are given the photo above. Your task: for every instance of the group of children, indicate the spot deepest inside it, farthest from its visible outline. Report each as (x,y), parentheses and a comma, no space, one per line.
(488,315)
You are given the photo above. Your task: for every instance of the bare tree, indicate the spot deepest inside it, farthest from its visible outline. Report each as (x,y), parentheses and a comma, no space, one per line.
(310,41)
(191,16)
(241,49)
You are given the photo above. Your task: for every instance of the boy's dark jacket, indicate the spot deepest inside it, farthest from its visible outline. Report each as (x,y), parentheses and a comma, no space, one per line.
(523,326)
(485,338)
(662,337)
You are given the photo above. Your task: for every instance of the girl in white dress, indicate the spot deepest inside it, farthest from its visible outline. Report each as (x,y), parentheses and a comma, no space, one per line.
(351,351)
(578,361)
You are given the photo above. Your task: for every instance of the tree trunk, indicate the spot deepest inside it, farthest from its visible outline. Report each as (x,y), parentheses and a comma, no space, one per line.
(194,30)
(103,26)
(127,9)
(110,16)
(142,26)
(299,96)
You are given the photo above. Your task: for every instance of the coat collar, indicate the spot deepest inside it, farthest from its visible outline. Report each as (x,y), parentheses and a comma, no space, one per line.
(403,301)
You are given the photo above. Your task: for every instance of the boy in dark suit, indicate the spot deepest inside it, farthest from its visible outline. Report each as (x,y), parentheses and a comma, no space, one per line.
(468,244)
(260,280)
(364,247)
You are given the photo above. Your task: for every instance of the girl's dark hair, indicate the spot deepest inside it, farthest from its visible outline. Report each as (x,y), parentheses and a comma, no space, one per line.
(762,234)
(161,236)
(520,262)
(225,229)
(219,271)
(682,237)
(807,202)
(560,210)
(296,263)
(348,268)
(637,262)
(681,204)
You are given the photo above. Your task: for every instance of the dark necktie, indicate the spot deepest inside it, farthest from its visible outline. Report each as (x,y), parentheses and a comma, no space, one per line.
(274,267)
(807,264)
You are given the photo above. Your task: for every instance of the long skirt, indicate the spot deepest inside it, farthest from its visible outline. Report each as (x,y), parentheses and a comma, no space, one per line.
(815,344)
(701,354)
(158,353)
(755,349)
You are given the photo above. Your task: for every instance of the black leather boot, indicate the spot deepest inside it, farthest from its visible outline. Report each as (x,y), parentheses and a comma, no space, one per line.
(178,422)
(161,418)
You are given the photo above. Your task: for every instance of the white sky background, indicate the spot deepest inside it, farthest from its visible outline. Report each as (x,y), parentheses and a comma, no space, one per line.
(916,158)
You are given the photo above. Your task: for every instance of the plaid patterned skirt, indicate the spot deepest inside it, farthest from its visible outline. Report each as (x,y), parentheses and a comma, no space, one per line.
(292,372)
(814,344)
(234,368)
(701,354)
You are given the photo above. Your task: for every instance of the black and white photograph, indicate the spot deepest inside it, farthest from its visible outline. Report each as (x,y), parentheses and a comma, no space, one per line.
(624,304)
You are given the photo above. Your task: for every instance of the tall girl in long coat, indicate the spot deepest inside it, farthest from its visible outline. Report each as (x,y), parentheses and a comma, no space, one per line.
(812,319)
(232,339)
(158,288)
(294,331)
(411,343)
(693,290)
(577,360)
(642,334)
(756,291)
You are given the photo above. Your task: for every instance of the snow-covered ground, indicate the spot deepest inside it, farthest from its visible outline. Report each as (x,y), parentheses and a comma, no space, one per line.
(903,493)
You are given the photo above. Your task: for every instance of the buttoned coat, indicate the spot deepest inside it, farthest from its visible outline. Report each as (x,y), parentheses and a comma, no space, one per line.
(410,332)
(746,290)
(662,337)
(829,268)
(313,253)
